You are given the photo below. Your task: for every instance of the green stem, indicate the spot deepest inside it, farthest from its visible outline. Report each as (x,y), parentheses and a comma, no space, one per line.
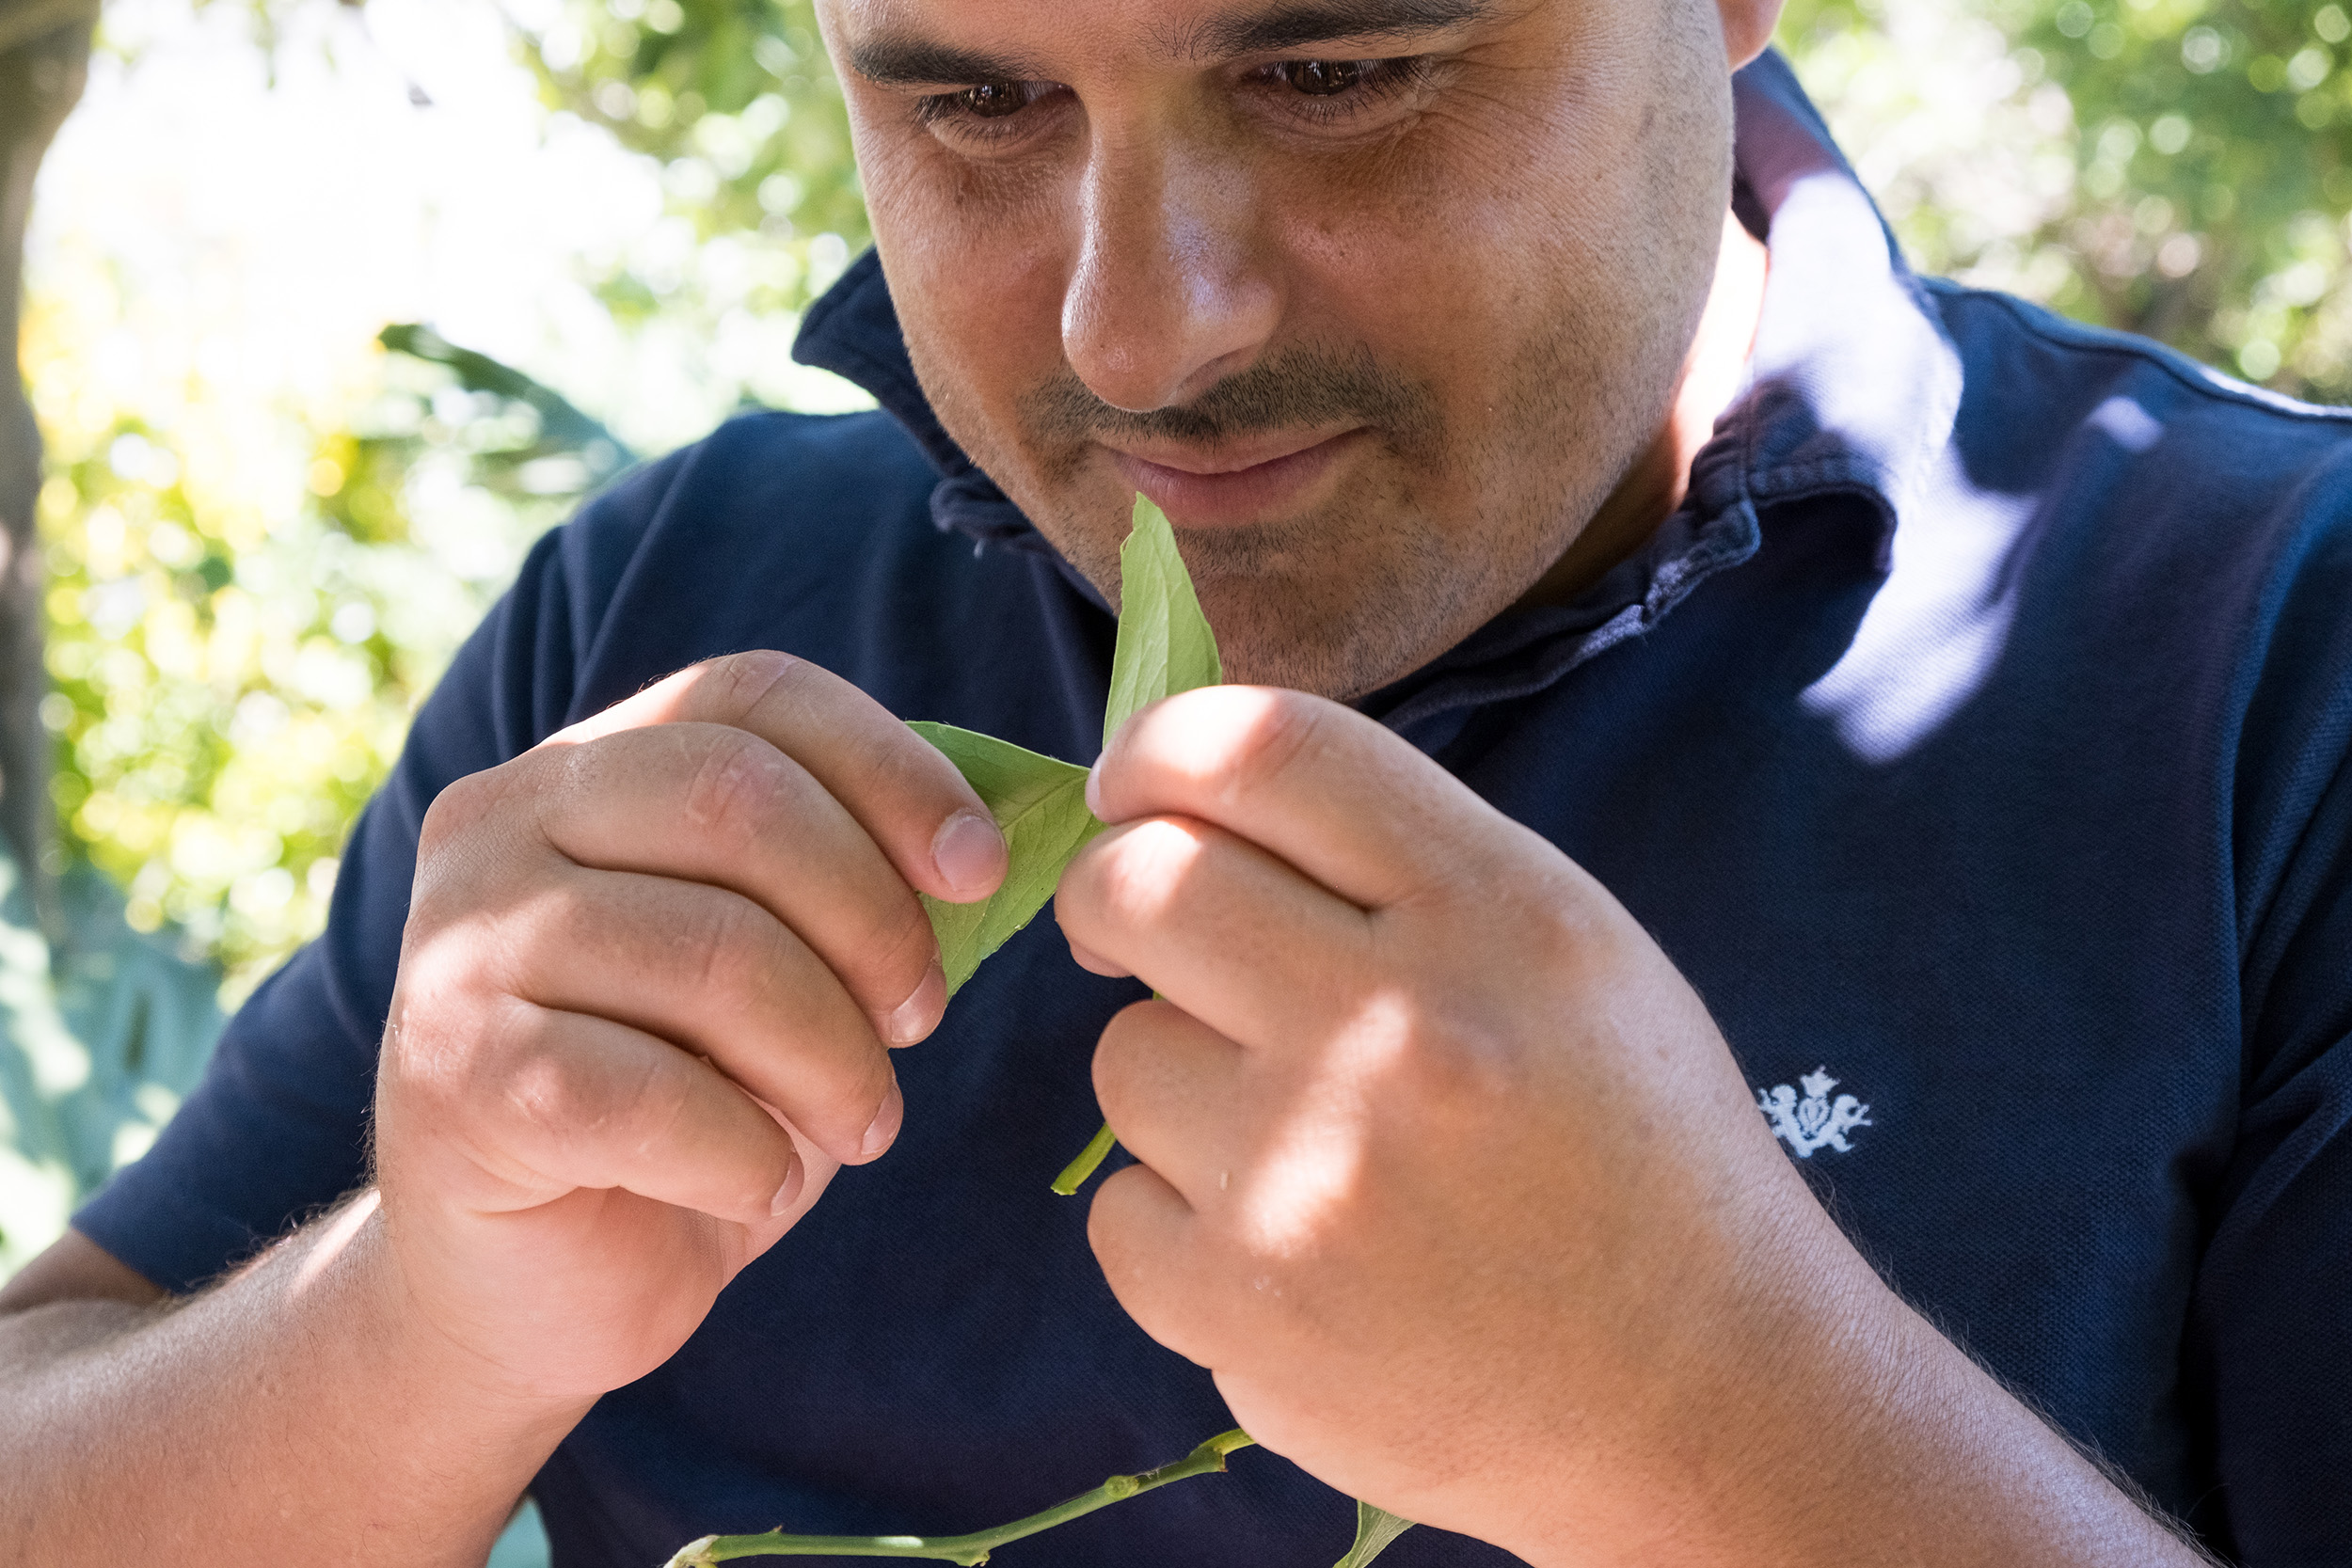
(1073,1175)
(966,1549)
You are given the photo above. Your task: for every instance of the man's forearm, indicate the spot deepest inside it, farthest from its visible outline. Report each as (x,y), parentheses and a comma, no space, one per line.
(1865,1436)
(295,1410)
(34,1338)
(1943,1462)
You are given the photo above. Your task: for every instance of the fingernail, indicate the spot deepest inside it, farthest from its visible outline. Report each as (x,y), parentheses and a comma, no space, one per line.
(885,1126)
(969,853)
(794,1179)
(911,1019)
(1094,787)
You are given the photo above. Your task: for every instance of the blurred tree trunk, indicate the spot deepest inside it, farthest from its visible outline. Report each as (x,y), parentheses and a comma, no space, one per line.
(44,60)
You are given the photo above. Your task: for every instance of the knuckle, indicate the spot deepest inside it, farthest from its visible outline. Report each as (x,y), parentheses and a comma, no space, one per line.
(498,939)
(1458,1063)
(740,786)
(730,949)
(560,1096)
(1120,1051)
(1561,941)
(1285,733)
(537,1089)
(1147,869)
(458,810)
(1440,1054)
(648,1105)
(1541,921)
(437,1058)
(1107,1234)
(1078,896)
(513,944)
(736,684)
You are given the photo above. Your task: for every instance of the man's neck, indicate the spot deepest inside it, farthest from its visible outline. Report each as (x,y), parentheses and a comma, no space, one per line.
(1656,484)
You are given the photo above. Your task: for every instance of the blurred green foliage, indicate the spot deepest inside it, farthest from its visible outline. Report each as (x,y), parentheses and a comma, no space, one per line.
(735,97)
(2177,167)
(100,1040)
(234,670)
(229,686)
(739,103)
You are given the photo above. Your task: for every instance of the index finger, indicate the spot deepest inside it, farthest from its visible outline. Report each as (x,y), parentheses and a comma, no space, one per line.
(1318,784)
(908,796)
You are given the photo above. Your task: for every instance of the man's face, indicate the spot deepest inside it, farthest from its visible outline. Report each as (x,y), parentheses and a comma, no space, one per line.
(1378,299)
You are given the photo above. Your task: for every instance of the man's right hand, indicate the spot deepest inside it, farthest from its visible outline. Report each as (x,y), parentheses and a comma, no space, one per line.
(650,970)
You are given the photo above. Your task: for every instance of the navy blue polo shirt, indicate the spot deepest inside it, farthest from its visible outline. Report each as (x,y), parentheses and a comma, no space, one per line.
(1974,739)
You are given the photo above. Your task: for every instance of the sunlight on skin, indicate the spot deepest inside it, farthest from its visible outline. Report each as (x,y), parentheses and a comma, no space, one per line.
(1201,741)
(334,1241)
(1316,1161)
(1314,1164)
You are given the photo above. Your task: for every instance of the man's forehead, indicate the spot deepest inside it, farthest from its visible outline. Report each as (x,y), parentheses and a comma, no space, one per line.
(964,41)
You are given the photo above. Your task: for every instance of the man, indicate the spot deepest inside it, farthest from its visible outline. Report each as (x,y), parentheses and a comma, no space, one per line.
(1962,718)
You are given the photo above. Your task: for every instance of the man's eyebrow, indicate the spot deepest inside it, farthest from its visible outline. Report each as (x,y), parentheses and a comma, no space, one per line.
(1302,24)
(902,59)
(905,59)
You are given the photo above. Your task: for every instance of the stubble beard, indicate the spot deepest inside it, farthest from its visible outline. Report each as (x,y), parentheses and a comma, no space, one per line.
(1457,519)
(1310,601)
(1350,597)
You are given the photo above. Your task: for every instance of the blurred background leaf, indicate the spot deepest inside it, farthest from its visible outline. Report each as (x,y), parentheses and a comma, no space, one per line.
(2177,167)
(236,647)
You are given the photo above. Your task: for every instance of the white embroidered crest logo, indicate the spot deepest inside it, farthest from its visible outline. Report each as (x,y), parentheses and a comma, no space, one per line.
(1806,1125)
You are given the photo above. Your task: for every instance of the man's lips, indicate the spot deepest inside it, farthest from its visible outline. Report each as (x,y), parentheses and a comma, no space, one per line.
(1242,481)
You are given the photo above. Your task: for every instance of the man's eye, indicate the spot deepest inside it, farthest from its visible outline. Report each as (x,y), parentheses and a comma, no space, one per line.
(991,100)
(985,110)
(1321,78)
(1332,92)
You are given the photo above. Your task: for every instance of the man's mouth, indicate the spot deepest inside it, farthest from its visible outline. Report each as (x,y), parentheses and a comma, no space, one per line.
(1233,483)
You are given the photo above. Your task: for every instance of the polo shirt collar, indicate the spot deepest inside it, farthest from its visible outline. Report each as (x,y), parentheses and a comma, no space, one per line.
(1851,387)
(1853,383)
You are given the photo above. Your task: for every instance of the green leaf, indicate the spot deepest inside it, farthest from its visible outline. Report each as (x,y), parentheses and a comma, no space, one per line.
(1374,1529)
(1165,644)
(1040,803)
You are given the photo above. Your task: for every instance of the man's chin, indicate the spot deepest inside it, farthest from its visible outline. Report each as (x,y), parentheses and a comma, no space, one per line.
(1273,634)
(1335,607)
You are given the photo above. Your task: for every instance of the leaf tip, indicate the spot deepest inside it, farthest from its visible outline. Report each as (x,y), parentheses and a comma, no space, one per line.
(1377,1529)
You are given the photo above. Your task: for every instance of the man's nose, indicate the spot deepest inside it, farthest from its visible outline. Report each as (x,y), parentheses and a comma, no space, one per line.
(1169,295)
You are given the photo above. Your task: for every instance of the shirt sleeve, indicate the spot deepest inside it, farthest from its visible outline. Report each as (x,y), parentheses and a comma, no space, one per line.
(2269,1346)
(278,1128)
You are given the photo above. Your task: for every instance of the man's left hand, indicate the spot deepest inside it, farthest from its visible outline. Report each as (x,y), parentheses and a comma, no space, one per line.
(1450,1179)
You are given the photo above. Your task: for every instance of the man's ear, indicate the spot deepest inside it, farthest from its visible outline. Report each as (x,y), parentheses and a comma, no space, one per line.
(1747,28)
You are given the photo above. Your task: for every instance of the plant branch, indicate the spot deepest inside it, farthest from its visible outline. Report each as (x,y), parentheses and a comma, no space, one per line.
(1073,1175)
(966,1549)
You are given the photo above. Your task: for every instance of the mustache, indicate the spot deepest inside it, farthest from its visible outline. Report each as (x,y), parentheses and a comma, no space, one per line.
(1298,388)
